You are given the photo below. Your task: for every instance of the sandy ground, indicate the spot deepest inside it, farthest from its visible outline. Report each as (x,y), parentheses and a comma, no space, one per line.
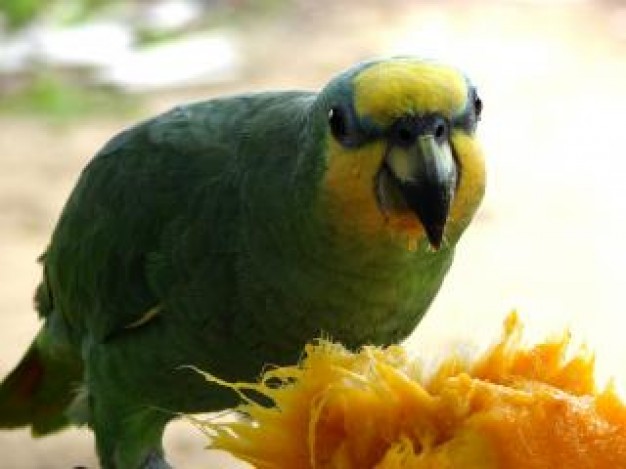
(547,240)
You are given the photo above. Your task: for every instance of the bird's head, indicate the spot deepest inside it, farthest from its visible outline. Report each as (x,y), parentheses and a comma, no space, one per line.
(401,155)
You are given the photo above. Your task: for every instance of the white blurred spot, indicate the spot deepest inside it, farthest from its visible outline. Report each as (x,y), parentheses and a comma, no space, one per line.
(90,44)
(193,60)
(108,50)
(171,14)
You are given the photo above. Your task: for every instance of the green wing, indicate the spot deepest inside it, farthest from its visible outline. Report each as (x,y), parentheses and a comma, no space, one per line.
(158,204)
(113,255)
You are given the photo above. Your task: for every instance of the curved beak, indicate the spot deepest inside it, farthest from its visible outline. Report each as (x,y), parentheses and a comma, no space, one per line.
(426,176)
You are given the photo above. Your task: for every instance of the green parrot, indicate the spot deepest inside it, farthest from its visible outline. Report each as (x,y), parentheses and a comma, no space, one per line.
(226,234)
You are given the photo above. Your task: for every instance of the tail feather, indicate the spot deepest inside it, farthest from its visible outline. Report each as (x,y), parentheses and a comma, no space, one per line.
(38,391)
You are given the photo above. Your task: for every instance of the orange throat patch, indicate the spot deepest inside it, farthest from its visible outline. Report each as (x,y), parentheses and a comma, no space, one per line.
(350,195)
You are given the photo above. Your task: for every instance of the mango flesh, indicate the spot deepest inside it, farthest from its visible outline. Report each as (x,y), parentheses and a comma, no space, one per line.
(513,407)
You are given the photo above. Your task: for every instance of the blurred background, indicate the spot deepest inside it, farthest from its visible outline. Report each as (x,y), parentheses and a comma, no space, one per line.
(547,241)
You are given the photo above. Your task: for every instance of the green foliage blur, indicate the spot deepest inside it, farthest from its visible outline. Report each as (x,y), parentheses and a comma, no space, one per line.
(49,91)
(49,95)
(43,92)
(19,13)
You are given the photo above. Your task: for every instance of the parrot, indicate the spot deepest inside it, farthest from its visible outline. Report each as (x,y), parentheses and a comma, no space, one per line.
(223,235)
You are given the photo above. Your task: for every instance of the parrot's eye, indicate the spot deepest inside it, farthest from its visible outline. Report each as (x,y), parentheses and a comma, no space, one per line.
(337,123)
(405,133)
(468,119)
(478,106)
(441,130)
(345,127)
